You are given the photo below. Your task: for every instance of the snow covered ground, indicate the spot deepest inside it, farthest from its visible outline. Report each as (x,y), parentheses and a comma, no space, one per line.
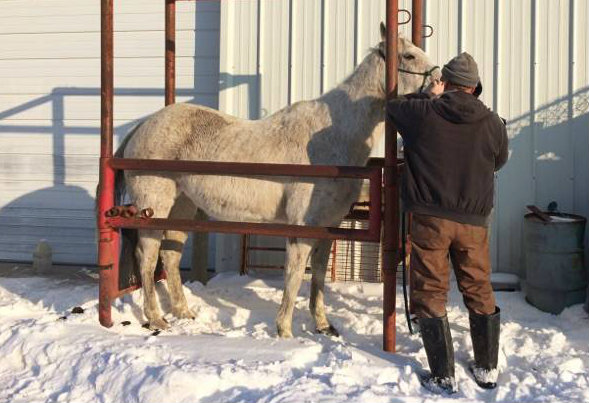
(231,353)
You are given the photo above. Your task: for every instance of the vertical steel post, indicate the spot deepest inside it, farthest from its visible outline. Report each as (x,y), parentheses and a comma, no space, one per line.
(170,54)
(108,238)
(390,244)
(417,22)
(333,262)
(417,38)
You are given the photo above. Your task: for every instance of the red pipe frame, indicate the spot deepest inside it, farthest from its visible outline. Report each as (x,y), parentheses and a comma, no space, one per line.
(108,244)
(390,242)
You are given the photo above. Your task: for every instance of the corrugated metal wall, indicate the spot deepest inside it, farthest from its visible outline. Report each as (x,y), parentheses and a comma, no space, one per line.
(533,58)
(50,107)
(275,52)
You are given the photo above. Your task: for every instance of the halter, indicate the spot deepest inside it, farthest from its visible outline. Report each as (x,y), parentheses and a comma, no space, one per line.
(425,74)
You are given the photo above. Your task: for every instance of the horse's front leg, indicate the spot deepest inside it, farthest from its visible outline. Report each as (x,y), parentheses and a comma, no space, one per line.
(297,254)
(316,304)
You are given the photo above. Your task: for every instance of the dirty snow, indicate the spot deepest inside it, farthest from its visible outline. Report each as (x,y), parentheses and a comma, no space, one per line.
(231,353)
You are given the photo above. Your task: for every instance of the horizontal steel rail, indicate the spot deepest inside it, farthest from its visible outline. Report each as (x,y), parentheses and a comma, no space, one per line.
(373,174)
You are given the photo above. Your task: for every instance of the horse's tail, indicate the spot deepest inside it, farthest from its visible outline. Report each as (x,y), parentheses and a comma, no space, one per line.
(120,188)
(120,175)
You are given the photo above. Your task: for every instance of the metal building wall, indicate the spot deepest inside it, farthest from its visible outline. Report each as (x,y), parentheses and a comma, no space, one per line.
(533,58)
(50,107)
(276,52)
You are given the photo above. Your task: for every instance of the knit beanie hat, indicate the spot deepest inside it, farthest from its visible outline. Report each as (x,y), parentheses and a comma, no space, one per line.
(461,70)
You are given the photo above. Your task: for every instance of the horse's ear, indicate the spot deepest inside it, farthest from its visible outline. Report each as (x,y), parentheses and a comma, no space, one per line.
(383,31)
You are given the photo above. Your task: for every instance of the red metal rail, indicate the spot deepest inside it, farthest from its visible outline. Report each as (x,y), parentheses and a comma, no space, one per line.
(373,174)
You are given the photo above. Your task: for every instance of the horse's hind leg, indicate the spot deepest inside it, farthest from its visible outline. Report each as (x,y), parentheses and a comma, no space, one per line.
(147,254)
(171,253)
(316,304)
(158,193)
(297,253)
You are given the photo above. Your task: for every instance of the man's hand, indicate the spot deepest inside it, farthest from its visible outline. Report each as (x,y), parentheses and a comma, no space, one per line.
(435,88)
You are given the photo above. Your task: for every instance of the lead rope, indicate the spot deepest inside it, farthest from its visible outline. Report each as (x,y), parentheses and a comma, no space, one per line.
(404,266)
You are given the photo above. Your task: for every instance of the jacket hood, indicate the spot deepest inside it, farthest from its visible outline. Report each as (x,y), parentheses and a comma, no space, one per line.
(460,107)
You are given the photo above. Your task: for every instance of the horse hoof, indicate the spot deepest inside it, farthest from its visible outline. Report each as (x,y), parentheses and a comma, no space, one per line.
(284,334)
(185,313)
(329,331)
(158,324)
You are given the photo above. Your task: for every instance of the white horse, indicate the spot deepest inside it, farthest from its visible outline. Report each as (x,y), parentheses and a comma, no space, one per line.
(334,129)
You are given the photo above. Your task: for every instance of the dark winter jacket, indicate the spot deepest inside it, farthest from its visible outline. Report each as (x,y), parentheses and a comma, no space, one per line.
(452,147)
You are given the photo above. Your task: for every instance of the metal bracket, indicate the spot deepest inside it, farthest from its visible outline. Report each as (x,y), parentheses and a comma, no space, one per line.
(408,16)
(431,32)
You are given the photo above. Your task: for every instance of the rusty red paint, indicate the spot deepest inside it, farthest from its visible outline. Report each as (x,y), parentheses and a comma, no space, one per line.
(170,52)
(374,175)
(417,23)
(230,227)
(390,243)
(245,168)
(108,238)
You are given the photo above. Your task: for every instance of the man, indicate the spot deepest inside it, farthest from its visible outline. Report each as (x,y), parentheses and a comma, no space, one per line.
(453,144)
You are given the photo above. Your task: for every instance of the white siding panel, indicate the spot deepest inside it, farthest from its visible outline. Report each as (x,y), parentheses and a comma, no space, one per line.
(553,153)
(580,107)
(128,44)
(442,15)
(85,107)
(238,77)
(370,14)
(72,68)
(515,187)
(306,50)
(239,92)
(339,42)
(50,107)
(478,40)
(274,55)
(135,20)
(56,8)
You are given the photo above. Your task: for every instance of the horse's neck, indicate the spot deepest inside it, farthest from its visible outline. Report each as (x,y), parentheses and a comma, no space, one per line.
(356,106)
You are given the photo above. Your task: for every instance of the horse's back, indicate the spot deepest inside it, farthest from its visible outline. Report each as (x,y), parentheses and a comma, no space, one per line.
(176,130)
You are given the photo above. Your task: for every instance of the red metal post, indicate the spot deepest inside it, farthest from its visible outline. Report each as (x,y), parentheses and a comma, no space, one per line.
(417,23)
(333,262)
(170,56)
(417,37)
(390,243)
(108,238)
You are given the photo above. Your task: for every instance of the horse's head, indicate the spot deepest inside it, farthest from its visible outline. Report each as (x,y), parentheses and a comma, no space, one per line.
(415,68)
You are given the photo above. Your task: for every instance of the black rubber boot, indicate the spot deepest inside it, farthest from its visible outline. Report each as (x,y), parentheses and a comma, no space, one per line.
(437,340)
(484,331)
